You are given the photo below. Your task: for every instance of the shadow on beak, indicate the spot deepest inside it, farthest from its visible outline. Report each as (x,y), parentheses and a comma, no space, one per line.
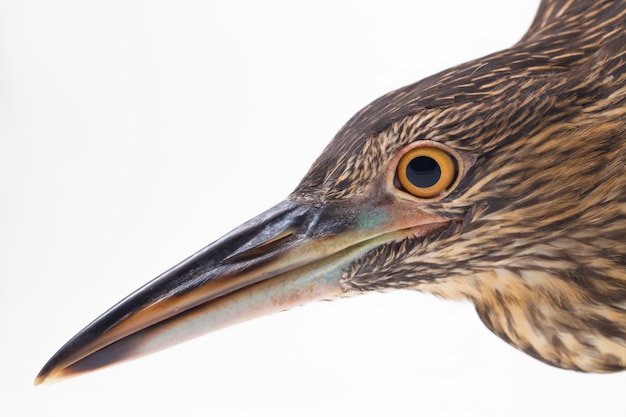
(291,254)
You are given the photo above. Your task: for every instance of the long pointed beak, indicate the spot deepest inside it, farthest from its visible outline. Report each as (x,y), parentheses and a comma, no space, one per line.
(291,254)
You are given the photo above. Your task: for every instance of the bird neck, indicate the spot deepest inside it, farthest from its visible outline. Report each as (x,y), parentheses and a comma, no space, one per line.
(547,317)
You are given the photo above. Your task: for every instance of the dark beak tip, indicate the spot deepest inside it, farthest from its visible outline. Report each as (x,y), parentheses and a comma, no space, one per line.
(42,378)
(45,375)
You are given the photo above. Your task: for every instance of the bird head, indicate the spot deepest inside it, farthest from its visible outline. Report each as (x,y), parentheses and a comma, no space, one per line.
(499,181)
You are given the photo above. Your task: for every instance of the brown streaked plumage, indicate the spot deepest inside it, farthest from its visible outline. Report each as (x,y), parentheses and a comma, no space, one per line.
(532,230)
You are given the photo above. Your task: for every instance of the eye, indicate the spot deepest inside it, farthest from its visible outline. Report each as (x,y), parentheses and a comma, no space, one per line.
(426,171)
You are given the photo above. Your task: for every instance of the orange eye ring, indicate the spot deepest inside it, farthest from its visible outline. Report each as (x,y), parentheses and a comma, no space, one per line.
(426,172)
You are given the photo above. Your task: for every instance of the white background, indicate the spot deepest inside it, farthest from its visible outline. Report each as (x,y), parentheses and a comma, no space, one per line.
(134,133)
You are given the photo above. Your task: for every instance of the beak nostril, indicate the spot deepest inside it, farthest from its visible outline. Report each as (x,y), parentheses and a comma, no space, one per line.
(266,247)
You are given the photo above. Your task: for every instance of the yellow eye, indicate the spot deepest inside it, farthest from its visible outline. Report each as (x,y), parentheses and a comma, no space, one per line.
(426,171)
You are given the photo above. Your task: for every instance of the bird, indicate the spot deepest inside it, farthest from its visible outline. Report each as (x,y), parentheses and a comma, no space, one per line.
(501,181)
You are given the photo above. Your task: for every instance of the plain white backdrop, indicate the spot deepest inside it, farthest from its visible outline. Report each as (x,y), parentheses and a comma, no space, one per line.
(133,133)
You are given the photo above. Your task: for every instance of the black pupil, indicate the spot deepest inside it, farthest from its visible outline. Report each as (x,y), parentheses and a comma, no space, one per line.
(423,172)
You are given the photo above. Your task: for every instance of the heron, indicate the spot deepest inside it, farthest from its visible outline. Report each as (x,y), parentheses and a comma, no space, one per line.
(500,181)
